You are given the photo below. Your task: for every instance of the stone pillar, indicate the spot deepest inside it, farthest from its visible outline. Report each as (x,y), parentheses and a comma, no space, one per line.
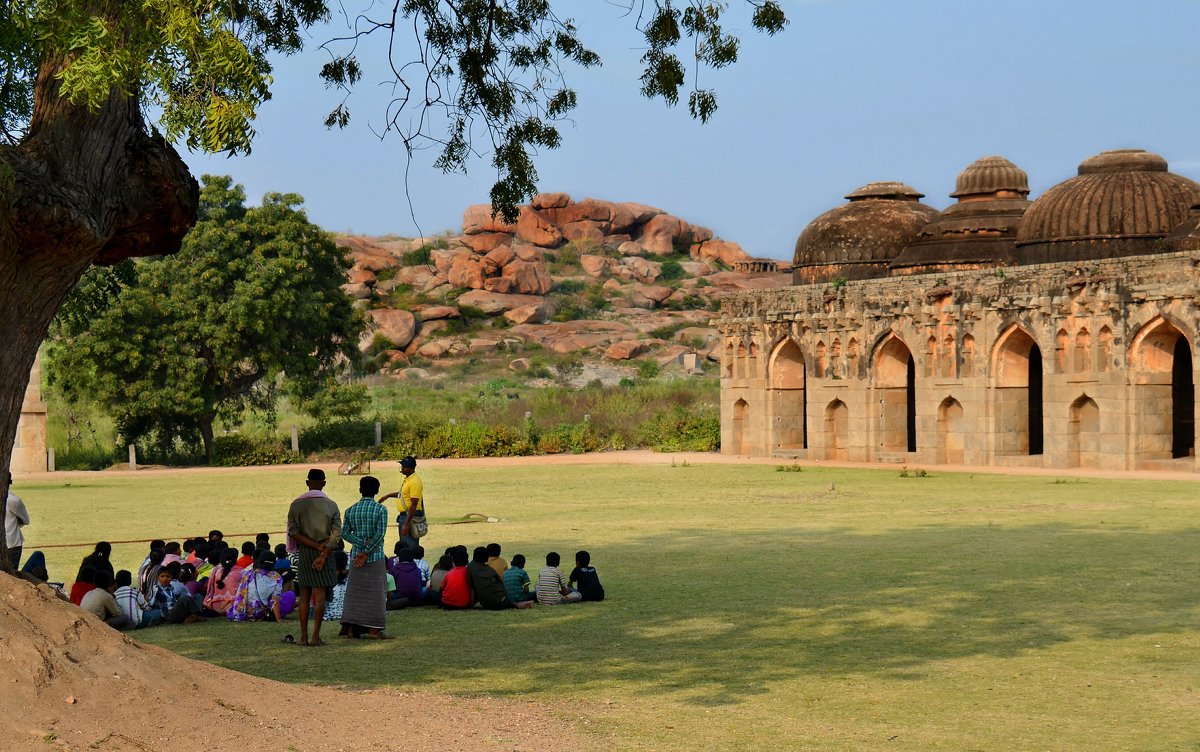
(29,451)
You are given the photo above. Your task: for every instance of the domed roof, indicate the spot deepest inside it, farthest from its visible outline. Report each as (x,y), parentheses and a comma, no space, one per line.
(1121,204)
(977,232)
(990,175)
(1185,237)
(859,238)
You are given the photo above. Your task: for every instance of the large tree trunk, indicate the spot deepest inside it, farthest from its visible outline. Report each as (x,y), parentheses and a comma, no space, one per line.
(85,186)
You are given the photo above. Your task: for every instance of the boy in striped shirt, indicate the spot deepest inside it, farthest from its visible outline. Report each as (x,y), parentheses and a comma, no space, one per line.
(552,587)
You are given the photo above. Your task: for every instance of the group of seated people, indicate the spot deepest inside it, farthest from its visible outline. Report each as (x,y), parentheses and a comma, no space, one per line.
(189,583)
(459,581)
(204,578)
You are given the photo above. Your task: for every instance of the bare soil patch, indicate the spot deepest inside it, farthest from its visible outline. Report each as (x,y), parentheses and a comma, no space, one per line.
(68,681)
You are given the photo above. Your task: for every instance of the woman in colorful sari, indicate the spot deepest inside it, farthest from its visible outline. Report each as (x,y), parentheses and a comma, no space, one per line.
(258,592)
(223,585)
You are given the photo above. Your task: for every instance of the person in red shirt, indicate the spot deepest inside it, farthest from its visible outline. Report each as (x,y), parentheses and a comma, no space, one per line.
(456,587)
(86,581)
(247,558)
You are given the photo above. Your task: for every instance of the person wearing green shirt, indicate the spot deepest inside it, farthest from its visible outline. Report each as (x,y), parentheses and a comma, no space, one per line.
(364,526)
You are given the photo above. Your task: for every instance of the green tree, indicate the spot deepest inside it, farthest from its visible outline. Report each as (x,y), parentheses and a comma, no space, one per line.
(84,179)
(253,299)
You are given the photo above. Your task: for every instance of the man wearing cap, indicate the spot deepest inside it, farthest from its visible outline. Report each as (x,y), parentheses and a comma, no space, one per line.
(314,528)
(412,501)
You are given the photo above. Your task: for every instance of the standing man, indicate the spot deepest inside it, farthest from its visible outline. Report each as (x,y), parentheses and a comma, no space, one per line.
(314,527)
(364,608)
(16,518)
(412,502)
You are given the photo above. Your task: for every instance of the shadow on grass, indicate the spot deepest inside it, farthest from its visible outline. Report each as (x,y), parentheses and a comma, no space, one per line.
(713,621)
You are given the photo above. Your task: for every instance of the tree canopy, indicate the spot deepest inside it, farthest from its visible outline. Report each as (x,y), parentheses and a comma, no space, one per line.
(251,302)
(85,179)
(464,70)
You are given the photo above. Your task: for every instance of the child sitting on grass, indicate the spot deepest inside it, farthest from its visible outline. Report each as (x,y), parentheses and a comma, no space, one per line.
(133,604)
(552,587)
(516,581)
(584,578)
(171,598)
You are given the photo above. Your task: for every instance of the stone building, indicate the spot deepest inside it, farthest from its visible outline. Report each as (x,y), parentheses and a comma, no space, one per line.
(29,450)
(1054,333)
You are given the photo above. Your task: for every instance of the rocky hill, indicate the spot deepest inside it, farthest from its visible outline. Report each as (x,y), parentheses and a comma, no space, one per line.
(594,278)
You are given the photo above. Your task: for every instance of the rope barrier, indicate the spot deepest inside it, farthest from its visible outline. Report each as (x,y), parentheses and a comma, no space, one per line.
(147,540)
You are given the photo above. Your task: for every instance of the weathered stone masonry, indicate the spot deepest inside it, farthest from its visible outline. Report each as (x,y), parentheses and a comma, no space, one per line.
(1080,364)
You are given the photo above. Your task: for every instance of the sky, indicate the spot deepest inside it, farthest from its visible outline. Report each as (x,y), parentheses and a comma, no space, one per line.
(853,91)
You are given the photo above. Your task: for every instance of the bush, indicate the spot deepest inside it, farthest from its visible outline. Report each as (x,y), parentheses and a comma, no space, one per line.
(682,430)
(343,434)
(236,450)
(419,257)
(647,369)
(670,270)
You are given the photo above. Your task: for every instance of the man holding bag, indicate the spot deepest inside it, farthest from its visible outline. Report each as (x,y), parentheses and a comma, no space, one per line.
(412,504)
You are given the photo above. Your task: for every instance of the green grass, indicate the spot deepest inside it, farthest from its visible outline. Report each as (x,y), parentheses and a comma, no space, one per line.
(752,609)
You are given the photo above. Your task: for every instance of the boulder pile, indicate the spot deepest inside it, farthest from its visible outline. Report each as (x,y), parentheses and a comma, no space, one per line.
(654,270)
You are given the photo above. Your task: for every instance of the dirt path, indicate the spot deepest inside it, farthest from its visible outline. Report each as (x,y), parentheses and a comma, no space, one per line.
(643,457)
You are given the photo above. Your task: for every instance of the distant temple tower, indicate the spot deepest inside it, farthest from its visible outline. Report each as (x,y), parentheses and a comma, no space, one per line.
(29,451)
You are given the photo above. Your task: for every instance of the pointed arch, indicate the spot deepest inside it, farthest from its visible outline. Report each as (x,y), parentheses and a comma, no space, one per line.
(1083,434)
(1162,361)
(1017,378)
(1083,351)
(968,356)
(1106,348)
(837,429)
(741,411)
(821,360)
(951,432)
(895,377)
(1061,340)
(1161,364)
(788,396)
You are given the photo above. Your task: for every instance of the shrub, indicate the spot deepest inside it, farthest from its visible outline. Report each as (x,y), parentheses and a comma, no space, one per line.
(568,286)
(682,430)
(344,434)
(237,450)
(419,257)
(671,270)
(668,332)
(647,369)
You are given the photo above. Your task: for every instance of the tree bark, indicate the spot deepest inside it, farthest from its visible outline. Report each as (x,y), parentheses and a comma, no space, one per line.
(84,186)
(206,435)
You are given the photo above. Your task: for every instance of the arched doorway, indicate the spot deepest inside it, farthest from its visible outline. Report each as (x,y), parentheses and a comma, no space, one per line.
(788,398)
(950,432)
(740,408)
(1165,392)
(1017,369)
(1083,449)
(896,383)
(837,429)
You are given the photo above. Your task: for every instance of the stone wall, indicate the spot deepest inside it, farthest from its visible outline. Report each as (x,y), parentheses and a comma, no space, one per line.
(1108,342)
(29,451)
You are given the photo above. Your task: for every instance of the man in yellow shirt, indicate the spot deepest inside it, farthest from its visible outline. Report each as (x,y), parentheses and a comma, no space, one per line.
(412,503)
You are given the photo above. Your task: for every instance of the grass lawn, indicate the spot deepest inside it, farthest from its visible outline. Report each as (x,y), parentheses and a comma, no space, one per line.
(752,609)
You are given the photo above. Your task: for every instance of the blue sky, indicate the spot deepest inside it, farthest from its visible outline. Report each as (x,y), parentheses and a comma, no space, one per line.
(853,91)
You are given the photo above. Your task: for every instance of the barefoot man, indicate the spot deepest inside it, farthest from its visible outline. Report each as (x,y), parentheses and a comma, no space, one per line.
(314,528)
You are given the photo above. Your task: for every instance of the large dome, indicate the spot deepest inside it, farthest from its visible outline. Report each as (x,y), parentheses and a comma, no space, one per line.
(1122,203)
(980,230)
(857,240)
(1185,237)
